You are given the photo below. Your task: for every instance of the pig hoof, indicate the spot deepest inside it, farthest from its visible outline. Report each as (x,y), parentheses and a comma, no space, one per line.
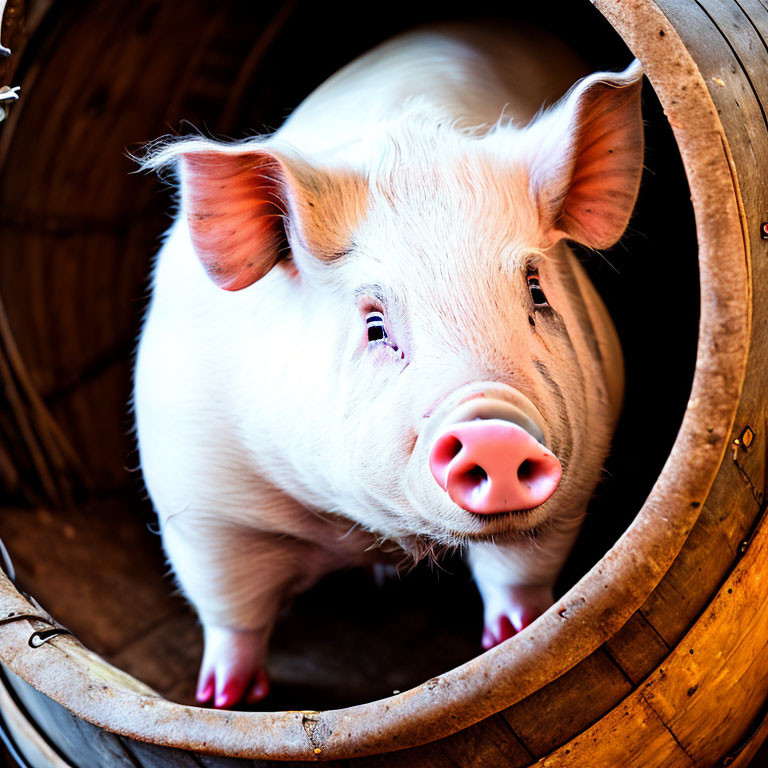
(232,670)
(518,607)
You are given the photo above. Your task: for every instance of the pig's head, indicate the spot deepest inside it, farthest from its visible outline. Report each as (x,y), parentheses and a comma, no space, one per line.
(477,375)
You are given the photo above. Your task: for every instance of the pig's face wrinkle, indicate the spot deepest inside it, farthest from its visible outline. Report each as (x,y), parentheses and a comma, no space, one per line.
(562,439)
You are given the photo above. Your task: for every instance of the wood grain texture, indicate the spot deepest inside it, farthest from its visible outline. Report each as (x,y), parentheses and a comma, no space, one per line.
(742,100)
(704,696)
(345,642)
(568,705)
(755,753)
(710,551)
(631,736)
(714,683)
(489,744)
(637,648)
(151,756)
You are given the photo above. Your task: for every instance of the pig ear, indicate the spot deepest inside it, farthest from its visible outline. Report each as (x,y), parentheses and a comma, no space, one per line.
(234,204)
(234,200)
(586,167)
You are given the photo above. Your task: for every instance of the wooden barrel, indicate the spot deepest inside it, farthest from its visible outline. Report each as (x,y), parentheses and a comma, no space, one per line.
(656,656)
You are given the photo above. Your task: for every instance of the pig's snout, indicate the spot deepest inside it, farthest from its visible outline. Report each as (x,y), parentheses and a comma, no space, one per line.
(493,465)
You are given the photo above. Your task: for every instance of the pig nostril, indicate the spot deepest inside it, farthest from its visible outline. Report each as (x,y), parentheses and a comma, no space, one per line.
(447,449)
(535,475)
(444,451)
(477,475)
(471,483)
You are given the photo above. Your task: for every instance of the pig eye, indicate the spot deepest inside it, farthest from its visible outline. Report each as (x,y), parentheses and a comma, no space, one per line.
(537,294)
(376,330)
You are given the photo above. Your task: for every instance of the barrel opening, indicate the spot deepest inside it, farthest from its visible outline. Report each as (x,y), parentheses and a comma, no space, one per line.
(81,231)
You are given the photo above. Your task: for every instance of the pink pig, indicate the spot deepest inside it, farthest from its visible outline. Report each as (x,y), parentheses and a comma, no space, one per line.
(368,334)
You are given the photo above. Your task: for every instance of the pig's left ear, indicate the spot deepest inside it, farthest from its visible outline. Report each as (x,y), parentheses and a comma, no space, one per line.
(586,159)
(244,201)
(236,199)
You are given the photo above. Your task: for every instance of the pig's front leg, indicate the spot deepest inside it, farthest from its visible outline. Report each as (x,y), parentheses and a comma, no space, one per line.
(237,578)
(516,580)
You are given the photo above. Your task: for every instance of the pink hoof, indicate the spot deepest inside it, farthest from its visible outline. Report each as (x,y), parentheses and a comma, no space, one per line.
(227,690)
(502,631)
(512,611)
(259,689)
(232,670)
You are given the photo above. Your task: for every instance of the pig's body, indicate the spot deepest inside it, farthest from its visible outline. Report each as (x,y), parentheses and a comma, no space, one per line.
(277,445)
